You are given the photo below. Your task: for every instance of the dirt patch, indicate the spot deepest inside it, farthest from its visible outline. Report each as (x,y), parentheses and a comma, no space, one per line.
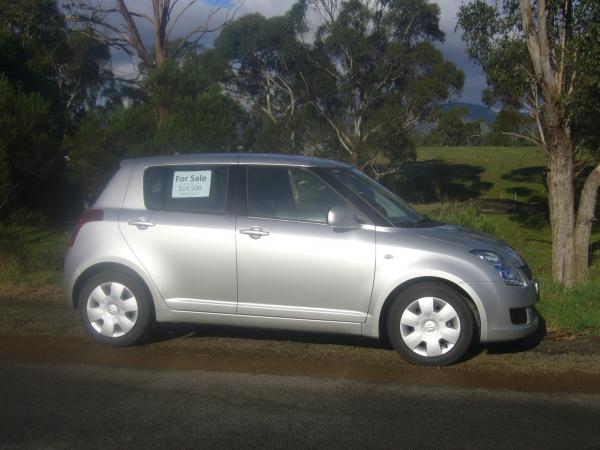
(36,325)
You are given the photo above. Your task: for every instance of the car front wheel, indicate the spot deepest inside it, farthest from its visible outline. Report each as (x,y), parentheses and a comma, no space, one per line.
(430,324)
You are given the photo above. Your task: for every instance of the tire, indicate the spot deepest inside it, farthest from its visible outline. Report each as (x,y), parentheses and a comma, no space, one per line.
(430,324)
(115,309)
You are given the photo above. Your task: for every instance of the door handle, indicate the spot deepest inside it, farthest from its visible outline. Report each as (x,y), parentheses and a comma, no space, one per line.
(255,232)
(141,222)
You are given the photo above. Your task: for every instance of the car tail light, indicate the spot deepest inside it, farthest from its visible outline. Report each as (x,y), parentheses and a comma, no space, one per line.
(89,215)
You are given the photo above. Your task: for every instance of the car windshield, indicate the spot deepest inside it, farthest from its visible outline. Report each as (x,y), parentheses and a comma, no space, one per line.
(389,205)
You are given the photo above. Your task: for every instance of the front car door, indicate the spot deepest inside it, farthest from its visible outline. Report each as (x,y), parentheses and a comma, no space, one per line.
(290,263)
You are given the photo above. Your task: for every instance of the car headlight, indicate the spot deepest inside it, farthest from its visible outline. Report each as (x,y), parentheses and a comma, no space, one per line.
(507,273)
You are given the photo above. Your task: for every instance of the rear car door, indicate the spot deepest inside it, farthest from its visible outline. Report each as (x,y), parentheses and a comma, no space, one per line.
(182,230)
(290,262)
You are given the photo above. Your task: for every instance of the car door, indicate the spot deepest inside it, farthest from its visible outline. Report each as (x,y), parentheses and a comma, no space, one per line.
(184,235)
(290,262)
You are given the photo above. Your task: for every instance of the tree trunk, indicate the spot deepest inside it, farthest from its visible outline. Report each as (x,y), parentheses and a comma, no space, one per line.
(561,196)
(585,221)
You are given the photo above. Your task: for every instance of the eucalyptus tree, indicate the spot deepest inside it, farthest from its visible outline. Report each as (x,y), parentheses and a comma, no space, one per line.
(49,74)
(267,61)
(544,56)
(378,75)
(344,78)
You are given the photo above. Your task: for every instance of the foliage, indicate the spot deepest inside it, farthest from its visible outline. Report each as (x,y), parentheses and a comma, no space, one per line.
(105,138)
(453,128)
(83,73)
(267,62)
(378,75)
(496,40)
(48,75)
(355,90)
(209,122)
(25,249)
(508,126)
(543,56)
(28,140)
(575,310)
(469,217)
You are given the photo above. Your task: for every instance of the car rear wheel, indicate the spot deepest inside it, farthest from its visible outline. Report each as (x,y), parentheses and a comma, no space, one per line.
(115,308)
(430,324)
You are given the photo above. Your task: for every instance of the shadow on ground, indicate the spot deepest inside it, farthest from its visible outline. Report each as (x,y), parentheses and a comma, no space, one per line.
(437,180)
(528,215)
(166,333)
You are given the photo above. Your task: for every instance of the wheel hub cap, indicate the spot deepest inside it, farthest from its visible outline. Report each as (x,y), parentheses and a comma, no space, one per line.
(112,309)
(430,326)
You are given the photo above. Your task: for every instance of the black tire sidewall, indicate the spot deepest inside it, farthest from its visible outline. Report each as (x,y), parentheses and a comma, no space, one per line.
(144,317)
(449,295)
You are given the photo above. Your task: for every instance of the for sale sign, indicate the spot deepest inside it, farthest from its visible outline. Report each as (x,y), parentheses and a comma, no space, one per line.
(191,184)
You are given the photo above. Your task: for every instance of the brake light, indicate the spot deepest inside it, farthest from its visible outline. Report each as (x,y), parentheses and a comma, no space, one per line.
(89,215)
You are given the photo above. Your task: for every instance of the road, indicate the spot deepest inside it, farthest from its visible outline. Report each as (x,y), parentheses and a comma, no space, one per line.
(70,405)
(218,387)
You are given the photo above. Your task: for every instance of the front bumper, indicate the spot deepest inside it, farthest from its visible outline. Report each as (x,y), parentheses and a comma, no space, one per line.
(509,310)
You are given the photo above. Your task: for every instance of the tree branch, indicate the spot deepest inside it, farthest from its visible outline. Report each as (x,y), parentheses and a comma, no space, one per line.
(135,39)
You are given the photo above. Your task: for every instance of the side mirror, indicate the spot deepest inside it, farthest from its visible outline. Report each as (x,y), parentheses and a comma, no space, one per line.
(342,217)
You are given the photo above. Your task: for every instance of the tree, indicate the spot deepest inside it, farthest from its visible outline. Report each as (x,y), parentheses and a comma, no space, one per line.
(47,74)
(266,62)
(378,75)
(509,126)
(83,72)
(162,16)
(28,140)
(201,118)
(453,128)
(543,55)
(102,139)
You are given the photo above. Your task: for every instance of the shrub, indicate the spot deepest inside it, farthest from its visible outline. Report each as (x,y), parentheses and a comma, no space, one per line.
(467,216)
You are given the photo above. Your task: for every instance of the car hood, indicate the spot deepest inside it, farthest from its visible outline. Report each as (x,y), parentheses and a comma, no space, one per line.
(473,240)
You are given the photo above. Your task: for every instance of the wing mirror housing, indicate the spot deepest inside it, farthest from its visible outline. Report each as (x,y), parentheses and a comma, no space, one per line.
(342,217)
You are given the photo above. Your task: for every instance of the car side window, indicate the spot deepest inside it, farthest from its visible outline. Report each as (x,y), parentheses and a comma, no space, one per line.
(289,193)
(193,188)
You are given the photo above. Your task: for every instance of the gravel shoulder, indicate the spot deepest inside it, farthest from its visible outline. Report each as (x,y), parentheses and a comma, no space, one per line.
(36,326)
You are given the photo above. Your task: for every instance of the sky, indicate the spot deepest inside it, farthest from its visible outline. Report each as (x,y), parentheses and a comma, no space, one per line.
(453,48)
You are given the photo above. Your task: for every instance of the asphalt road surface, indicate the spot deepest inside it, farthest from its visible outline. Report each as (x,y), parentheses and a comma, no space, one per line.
(75,405)
(216,387)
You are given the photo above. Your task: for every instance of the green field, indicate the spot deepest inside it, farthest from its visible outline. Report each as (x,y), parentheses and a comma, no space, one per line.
(443,174)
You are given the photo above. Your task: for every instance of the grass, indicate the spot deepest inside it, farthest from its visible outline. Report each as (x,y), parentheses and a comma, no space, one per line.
(511,173)
(31,256)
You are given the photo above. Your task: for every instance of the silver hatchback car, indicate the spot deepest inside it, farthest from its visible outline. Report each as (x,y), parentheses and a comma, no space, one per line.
(288,242)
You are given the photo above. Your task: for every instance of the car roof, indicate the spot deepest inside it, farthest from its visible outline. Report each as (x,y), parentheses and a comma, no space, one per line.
(237,158)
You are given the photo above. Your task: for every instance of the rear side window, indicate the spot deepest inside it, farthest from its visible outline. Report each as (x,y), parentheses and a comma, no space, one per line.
(197,189)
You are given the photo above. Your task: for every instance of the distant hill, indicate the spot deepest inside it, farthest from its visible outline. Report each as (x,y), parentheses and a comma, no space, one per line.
(476,112)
